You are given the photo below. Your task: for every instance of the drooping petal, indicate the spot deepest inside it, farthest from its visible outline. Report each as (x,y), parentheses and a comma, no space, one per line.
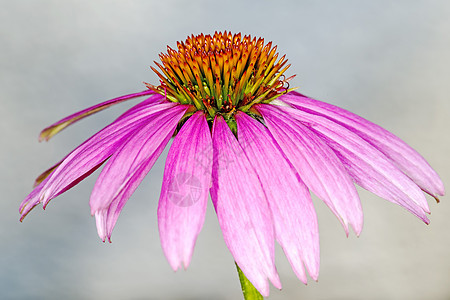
(185,190)
(133,159)
(107,218)
(35,197)
(45,174)
(242,209)
(295,219)
(368,167)
(53,129)
(150,101)
(31,200)
(405,157)
(317,165)
(97,149)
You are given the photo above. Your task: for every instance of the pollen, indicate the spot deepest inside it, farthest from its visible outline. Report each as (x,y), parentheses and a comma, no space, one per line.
(222,73)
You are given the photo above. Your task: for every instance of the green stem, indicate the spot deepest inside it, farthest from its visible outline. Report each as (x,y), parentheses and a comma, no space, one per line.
(249,291)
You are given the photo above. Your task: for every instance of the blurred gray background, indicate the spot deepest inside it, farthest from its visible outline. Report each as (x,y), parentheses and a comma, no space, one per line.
(385,60)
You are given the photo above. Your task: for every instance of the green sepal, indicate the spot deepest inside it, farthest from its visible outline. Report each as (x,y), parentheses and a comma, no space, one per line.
(249,291)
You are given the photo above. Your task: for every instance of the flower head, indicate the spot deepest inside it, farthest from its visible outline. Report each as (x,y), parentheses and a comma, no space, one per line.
(256,146)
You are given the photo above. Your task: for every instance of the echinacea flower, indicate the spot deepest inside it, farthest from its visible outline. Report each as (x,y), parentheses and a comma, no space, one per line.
(255,145)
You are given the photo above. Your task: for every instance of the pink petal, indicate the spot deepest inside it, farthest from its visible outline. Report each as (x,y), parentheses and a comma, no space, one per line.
(367,166)
(185,190)
(46,173)
(53,129)
(156,99)
(295,220)
(96,150)
(242,209)
(31,200)
(132,161)
(152,100)
(35,197)
(405,157)
(317,165)
(107,218)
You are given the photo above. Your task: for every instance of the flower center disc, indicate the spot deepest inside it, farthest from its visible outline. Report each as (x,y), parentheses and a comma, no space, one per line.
(222,73)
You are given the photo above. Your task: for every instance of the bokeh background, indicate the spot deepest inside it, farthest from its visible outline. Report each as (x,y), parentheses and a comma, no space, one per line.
(388,61)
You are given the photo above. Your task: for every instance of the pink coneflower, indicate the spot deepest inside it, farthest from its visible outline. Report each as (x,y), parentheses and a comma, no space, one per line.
(243,136)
